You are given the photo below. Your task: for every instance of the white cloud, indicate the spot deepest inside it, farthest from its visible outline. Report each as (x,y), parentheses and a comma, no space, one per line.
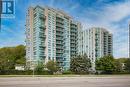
(116,12)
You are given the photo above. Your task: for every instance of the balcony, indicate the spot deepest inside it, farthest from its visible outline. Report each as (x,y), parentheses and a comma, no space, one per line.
(73,42)
(42,36)
(73,38)
(58,38)
(73,50)
(59,55)
(42,17)
(73,34)
(59,34)
(59,43)
(74,26)
(59,18)
(42,45)
(59,59)
(42,40)
(42,27)
(72,45)
(59,21)
(74,31)
(73,55)
(59,47)
(42,56)
(59,52)
(59,30)
(59,25)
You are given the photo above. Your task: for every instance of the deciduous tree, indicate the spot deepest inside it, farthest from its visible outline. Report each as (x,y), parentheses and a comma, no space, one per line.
(105,64)
(80,64)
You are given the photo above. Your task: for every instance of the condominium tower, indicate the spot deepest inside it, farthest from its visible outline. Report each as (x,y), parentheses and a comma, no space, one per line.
(95,42)
(51,34)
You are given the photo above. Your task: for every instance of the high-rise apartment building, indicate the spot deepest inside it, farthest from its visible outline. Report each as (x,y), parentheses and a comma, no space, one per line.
(95,42)
(50,35)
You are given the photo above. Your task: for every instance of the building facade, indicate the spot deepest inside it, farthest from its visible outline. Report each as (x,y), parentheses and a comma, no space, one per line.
(95,42)
(51,34)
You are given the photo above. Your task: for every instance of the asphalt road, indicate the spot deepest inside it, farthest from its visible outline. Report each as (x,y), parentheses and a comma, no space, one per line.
(105,81)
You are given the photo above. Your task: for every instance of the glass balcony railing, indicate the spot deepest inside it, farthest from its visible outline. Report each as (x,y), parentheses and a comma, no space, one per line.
(59,25)
(73,26)
(59,29)
(59,47)
(59,34)
(42,17)
(42,56)
(58,42)
(75,31)
(73,34)
(59,51)
(73,50)
(73,45)
(73,38)
(58,38)
(59,21)
(42,47)
(42,27)
(42,44)
(58,55)
(42,36)
(59,18)
(73,41)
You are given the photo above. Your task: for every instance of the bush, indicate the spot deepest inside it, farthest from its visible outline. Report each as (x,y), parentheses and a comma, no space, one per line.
(52,66)
(27,72)
(15,72)
(67,72)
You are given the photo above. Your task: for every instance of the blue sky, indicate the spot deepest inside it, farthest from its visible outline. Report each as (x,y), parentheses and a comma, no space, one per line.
(114,15)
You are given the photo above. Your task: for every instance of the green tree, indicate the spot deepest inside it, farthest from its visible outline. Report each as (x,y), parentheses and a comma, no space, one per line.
(39,68)
(122,60)
(6,58)
(6,64)
(52,66)
(105,64)
(20,54)
(80,64)
(118,66)
(9,56)
(127,65)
